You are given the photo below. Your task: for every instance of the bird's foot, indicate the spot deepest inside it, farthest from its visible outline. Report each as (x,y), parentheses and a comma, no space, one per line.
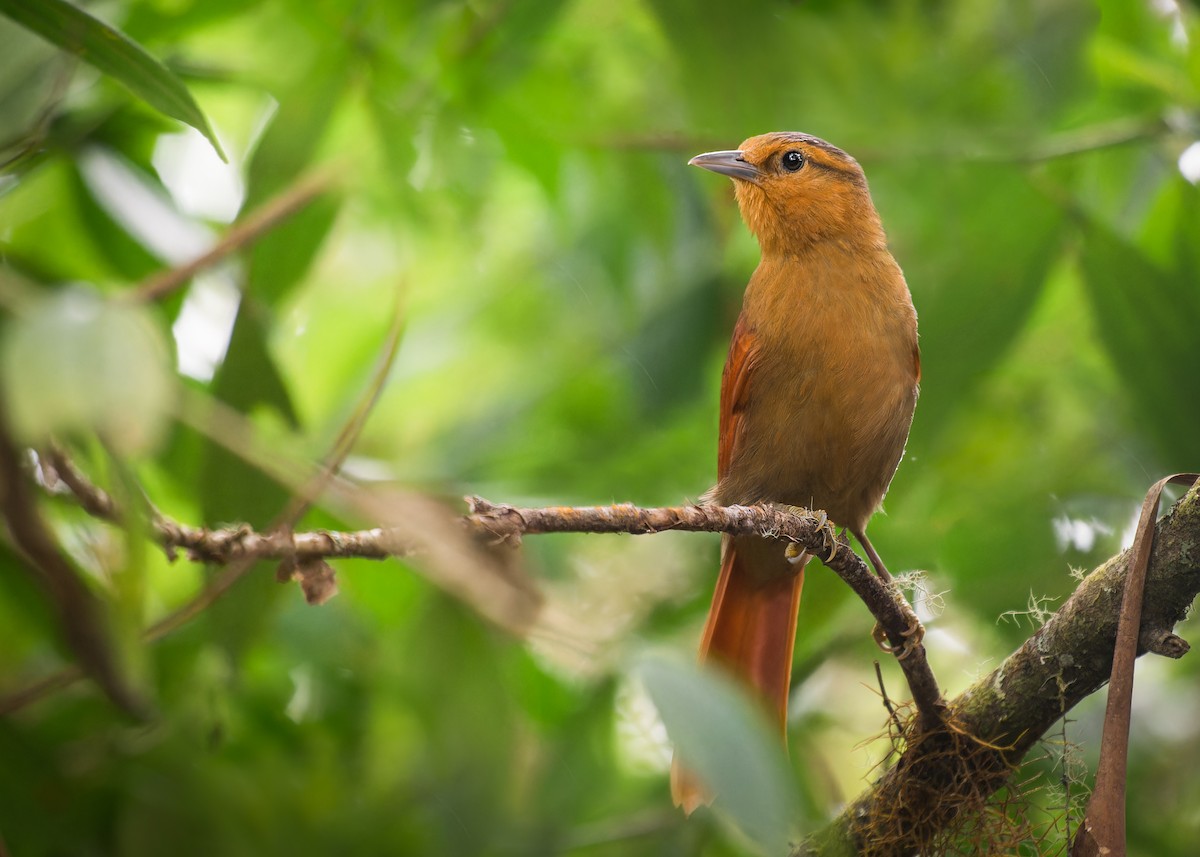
(796,552)
(913,635)
(825,527)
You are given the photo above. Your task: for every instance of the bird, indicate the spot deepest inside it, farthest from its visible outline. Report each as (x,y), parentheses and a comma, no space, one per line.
(817,394)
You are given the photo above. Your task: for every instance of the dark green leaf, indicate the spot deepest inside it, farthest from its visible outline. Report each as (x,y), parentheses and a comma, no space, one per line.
(231,489)
(112,52)
(124,253)
(1148,317)
(282,256)
(975,253)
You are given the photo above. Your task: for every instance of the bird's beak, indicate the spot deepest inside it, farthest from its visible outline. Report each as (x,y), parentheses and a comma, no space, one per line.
(728,163)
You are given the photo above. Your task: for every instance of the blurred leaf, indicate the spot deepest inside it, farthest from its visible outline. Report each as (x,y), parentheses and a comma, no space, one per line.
(129,130)
(34,233)
(731,30)
(30,74)
(1148,318)
(727,742)
(124,253)
(663,355)
(281,257)
(231,489)
(78,364)
(1135,49)
(1167,234)
(148,21)
(975,251)
(113,53)
(24,608)
(1133,69)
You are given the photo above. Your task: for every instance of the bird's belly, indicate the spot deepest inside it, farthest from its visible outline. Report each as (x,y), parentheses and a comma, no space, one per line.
(823,439)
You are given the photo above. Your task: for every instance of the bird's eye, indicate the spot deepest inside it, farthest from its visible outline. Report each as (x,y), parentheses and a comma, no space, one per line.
(792,161)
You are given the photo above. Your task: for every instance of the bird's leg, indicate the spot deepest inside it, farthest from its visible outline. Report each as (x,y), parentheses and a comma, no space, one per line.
(915,632)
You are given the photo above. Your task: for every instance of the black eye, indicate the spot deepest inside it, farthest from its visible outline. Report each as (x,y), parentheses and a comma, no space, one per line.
(792,161)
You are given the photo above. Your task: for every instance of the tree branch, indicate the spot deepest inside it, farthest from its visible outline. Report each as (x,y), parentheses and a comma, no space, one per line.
(80,613)
(957,753)
(994,723)
(503,523)
(811,530)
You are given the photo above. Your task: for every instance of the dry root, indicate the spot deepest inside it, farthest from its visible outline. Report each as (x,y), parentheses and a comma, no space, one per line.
(959,796)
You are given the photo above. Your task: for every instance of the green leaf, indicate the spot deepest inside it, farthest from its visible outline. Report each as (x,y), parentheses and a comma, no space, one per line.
(35,232)
(76,363)
(726,741)
(123,253)
(975,276)
(1148,319)
(230,488)
(113,53)
(280,258)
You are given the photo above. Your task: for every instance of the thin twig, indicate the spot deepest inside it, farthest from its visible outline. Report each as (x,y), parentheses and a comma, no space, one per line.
(246,231)
(348,435)
(503,523)
(1092,138)
(887,702)
(40,689)
(80,618)
(282,526)
(95,500)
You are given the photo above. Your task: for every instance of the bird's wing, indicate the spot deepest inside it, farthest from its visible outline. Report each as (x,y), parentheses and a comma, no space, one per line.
(735,392)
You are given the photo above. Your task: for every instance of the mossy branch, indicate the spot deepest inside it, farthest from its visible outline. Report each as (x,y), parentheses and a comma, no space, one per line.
(943,777)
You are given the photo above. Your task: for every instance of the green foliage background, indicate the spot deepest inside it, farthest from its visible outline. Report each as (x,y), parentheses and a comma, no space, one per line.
(513,174)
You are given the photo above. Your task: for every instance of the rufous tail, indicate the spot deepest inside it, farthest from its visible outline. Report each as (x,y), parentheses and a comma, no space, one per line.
(751,630)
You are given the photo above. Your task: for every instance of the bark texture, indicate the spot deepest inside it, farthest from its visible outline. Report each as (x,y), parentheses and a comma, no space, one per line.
(994,723)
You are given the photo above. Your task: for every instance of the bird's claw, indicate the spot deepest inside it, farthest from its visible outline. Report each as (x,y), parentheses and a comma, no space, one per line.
(825,527)
(913,635)
(794,552)
(832,540)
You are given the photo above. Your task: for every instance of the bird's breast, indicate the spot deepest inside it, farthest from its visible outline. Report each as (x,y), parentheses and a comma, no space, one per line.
(833,390)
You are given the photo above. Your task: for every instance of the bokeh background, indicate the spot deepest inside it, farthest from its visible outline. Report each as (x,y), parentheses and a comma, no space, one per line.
(510,183)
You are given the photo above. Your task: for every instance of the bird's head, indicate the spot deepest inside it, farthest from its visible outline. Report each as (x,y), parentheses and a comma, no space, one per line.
(795,190)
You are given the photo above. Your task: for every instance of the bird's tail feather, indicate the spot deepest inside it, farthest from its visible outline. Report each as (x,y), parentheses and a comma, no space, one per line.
(751,630)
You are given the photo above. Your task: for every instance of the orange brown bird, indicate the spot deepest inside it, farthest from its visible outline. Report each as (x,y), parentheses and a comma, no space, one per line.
(817,395)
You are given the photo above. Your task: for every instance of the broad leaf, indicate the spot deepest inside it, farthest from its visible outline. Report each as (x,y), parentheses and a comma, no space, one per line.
(1148,319)
(726,742)
(282,256)
(112,52)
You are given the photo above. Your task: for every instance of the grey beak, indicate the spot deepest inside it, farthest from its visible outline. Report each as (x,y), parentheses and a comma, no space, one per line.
(728,163)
